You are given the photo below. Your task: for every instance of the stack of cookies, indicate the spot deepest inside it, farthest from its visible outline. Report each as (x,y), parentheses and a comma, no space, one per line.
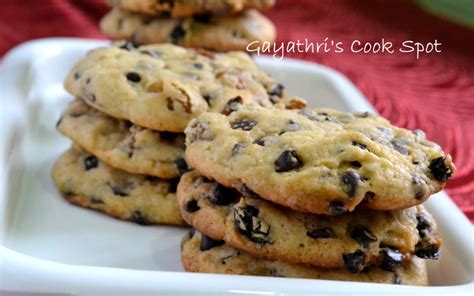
(310,193)
(127,122)
(219,25)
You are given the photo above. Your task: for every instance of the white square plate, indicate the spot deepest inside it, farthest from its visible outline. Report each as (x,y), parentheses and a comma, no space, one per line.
(48,245)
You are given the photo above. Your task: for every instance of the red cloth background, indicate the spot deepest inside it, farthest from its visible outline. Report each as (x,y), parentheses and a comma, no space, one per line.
(434,93)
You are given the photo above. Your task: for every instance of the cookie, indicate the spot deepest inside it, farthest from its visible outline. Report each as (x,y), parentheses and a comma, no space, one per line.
(219,33)
(321,161)
(163,87)
(200,253)
(179,8)
(122,144)
(354,240)
(84,180)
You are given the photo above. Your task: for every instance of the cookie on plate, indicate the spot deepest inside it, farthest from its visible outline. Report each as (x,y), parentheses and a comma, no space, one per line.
(321,161)
(354,240)
(200,253)
(179,8)
(219,33)
(122,144)
(84,180)
(163,87)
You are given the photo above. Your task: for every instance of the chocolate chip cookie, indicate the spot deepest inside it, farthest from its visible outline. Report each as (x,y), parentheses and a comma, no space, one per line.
(84,180)
(122,144)
(320,161)
(200,253)
(179,8)
(219,33)
(163,87)
(354,240)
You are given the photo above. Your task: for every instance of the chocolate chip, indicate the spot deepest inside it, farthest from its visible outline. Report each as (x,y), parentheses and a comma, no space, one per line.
(427,247)
(77,75)
(287,161)
(308,114)
(360,145)
(95,200)
(277,90)
(233,105)
(202,18)
(177,34)
(419,133)
(391,259)
(247,222)
(152,53)
(350,182)
(208,243)
(369,196)
(222,196)
(245,124)
(337,207)
(247,192)
(361,114)
(91,162)
(128,45)
(423,224)
(362,235)
(182,165)
(119,191)
(198,66)
(321,233)
(440,170)
(325,115)
(191,206)
(428,252)
(292,126)
(266,140)
(260,142)
(237,149)
(354,262)
(133,77)
(140,218)
(355,164)
(419,187)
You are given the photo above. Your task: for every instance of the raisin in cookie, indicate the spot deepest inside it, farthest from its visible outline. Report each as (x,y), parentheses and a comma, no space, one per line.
(321,161)
(163,87)
(122,144)
(179,8)
(219,33)
(200,253)
(354,240)
(86,181)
